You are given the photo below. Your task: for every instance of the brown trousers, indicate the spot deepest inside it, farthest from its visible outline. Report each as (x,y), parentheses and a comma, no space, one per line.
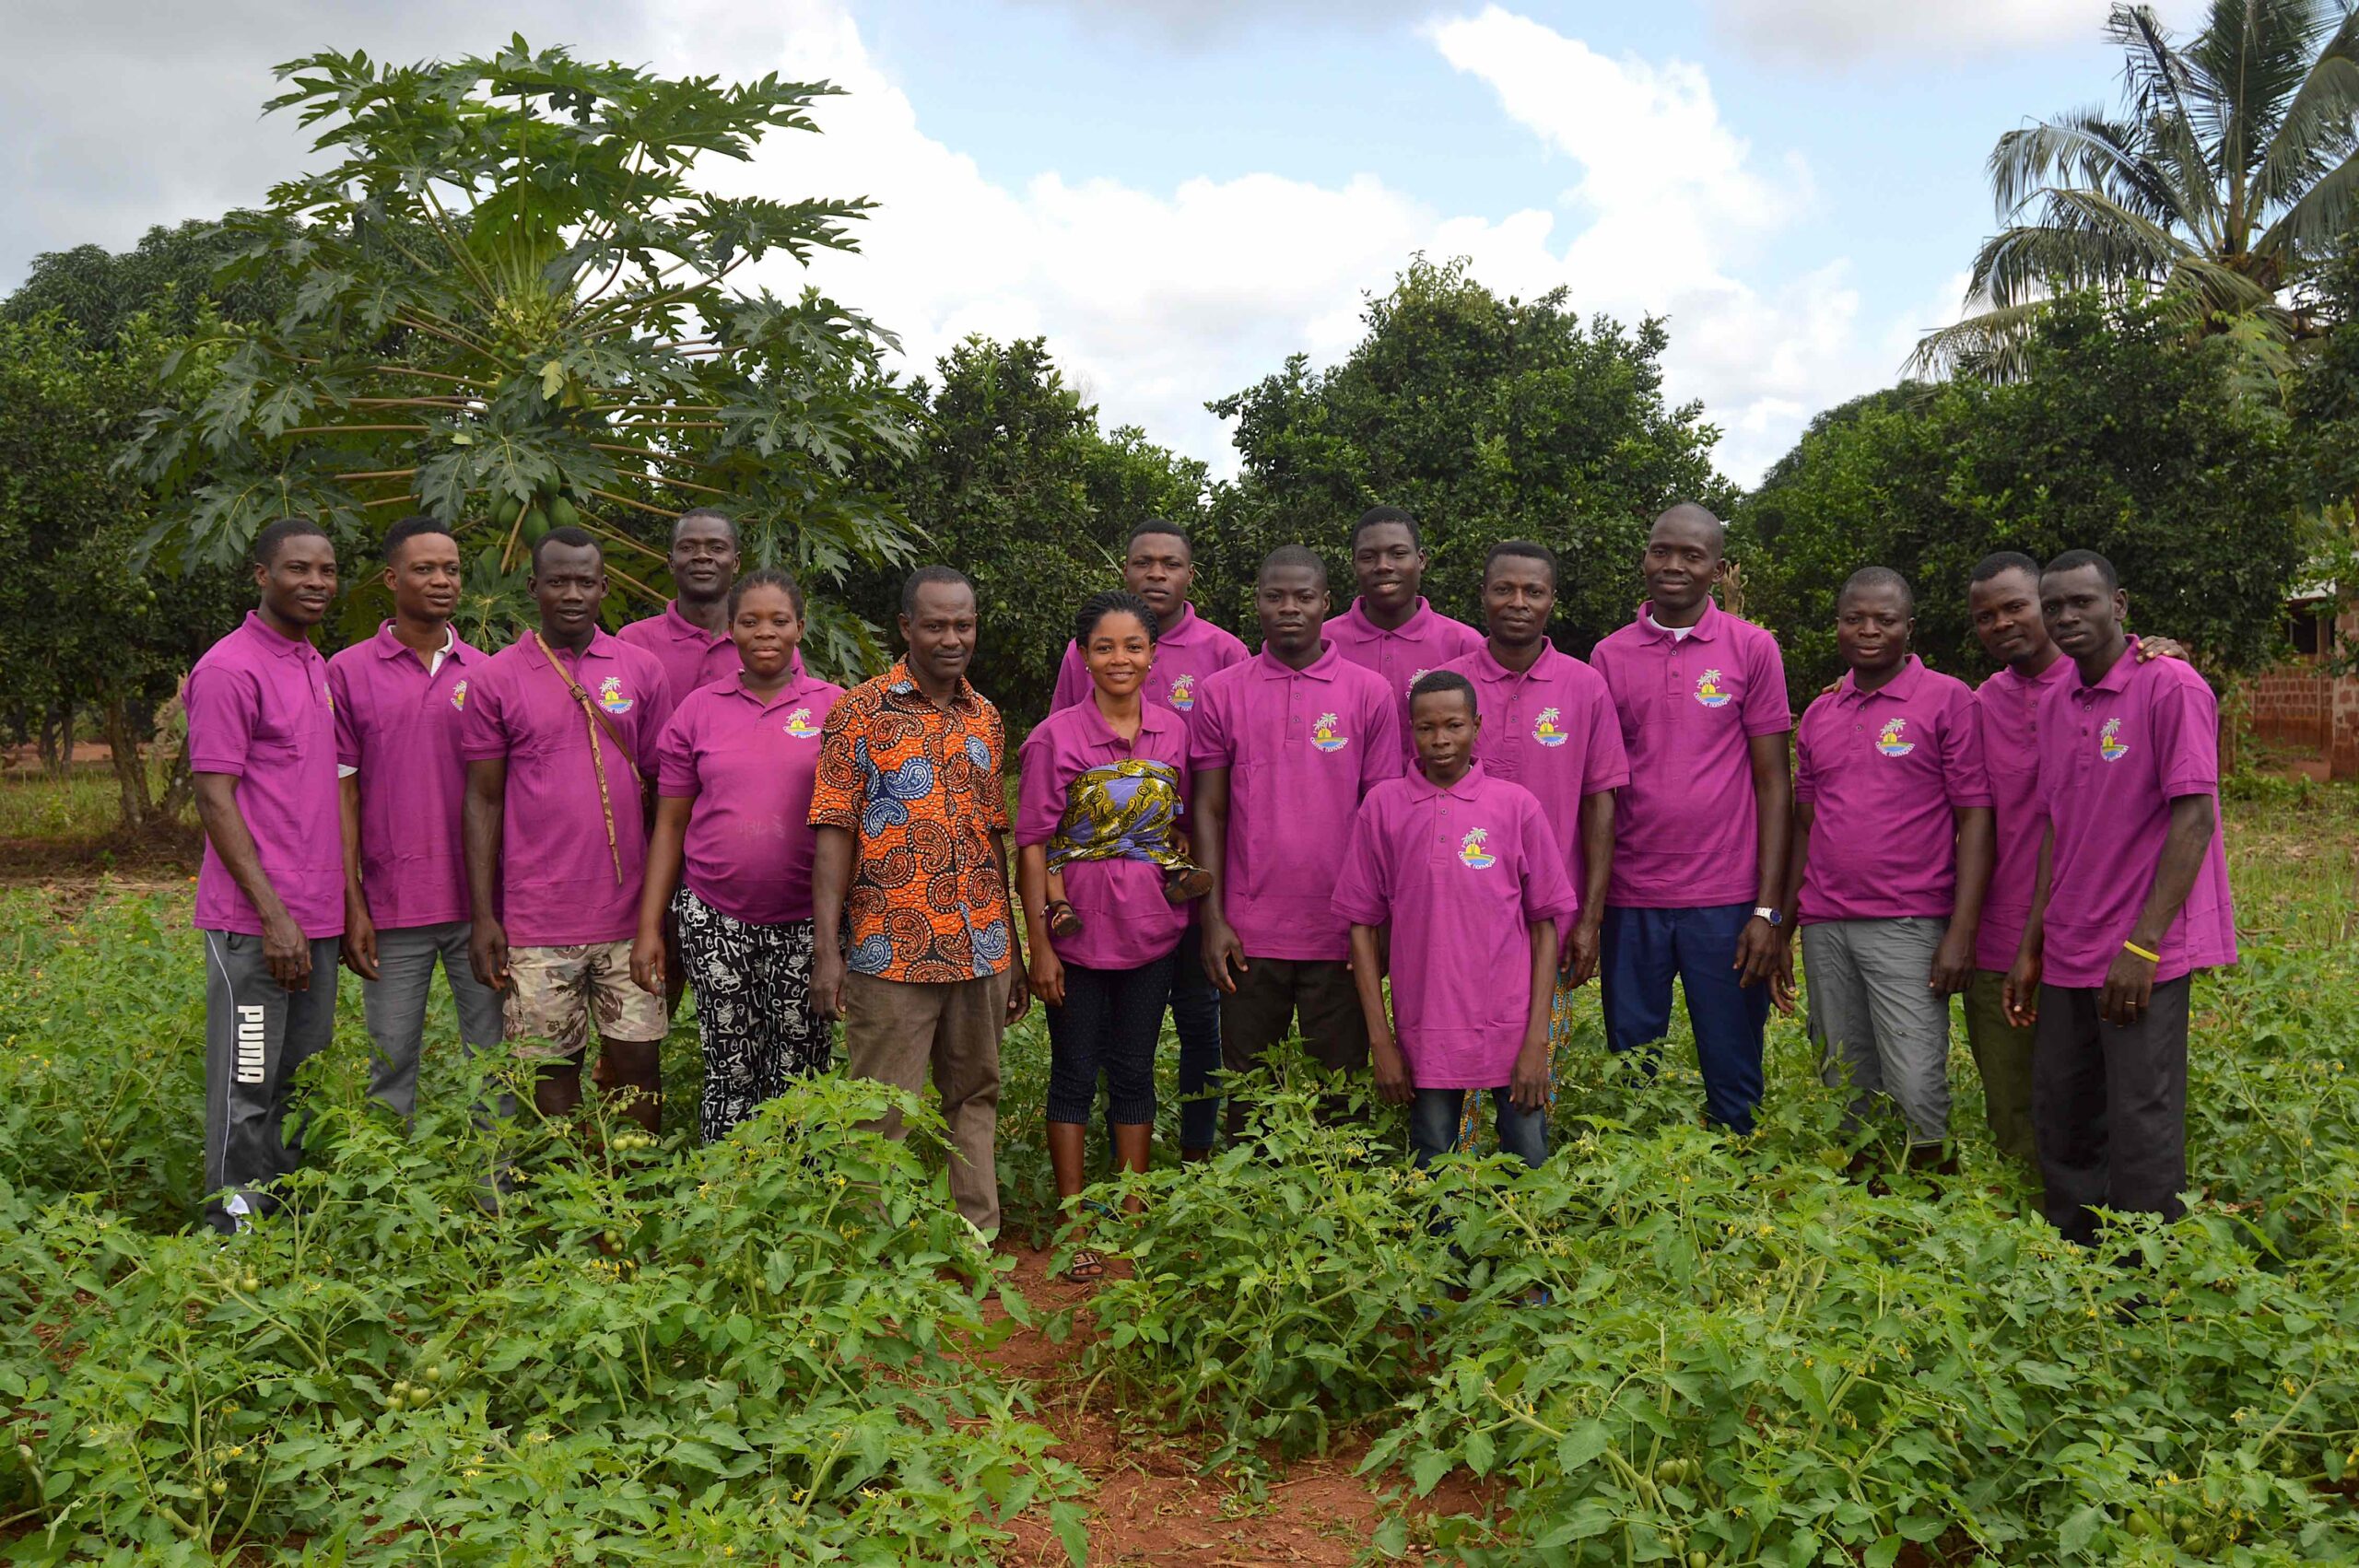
(895,1031)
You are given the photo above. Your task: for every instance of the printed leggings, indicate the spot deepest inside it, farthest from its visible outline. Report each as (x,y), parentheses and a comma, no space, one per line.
(752,986)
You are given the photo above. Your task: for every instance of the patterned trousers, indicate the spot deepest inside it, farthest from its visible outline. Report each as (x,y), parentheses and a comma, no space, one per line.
(752,986)
(1560,1044)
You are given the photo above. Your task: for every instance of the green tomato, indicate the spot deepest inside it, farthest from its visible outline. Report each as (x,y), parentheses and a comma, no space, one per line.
(435,1374)
(1700,1557)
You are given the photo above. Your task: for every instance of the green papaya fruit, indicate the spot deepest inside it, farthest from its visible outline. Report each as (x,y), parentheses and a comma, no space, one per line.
(561,513)
(536,523)
(504,514)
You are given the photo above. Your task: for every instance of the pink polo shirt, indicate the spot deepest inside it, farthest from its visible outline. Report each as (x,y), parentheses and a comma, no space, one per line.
(259,710)
(2006,710)
(1185,652)
(692,657)
(2112,758)
(557,880)
(397,726)
(1887,771)
(748,764)
(1460,875)
(1426,640)
(1302,747)
(1685,835)
(1551,729)
(1125,920)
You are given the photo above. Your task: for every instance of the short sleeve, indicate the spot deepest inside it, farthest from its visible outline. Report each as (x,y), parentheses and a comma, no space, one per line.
(1805,757)
(1766,711)
(2185,718)
(676,757)
(1382,759)
(1363,894)
(1548,893)
(835,791)
(224,705)
(1964,772)
(1039,791)
(1607,764)
(348,724)
(1211,739)
(482,723)
(1073,680)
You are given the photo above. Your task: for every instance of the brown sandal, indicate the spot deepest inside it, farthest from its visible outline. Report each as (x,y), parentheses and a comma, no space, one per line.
(1087,1267)
(1062,921)
(1182,884)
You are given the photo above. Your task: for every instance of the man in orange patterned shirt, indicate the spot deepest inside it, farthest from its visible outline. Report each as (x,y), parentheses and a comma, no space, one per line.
(912,815)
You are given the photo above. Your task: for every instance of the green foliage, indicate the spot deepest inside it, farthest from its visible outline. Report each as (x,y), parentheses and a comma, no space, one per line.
(169,278)
(748,1349)
(1011,481)
(505,304)
(1488,419)
(2118,437)
(2228,173)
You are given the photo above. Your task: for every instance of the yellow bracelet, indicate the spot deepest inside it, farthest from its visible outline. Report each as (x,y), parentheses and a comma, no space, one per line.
(2148,958)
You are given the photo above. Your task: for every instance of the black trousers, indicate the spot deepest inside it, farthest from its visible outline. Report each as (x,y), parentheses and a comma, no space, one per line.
(1110,1023)
(1277,997)
(2108,1107)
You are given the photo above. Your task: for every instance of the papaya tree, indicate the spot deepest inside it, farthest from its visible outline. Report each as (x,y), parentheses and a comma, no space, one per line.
(509,303)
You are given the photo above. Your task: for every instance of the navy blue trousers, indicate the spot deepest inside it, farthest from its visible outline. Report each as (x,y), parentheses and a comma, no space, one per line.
(1643,951)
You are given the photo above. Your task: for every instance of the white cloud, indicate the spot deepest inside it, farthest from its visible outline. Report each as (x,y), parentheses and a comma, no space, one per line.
(1841,31)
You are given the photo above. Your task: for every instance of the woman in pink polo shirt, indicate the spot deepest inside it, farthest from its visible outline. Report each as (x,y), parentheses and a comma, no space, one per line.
(1100,798)
(735,771)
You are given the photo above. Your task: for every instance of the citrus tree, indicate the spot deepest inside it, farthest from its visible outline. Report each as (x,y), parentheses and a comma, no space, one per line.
(509,303)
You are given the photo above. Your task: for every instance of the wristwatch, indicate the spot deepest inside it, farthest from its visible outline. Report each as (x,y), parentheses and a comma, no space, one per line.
(1763,912)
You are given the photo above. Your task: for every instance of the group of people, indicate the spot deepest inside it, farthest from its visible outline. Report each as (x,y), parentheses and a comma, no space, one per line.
(1403,840)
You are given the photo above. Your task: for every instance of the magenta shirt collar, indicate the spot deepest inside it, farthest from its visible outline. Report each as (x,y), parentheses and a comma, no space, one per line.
(1488,668)
(1900,688)
(2115,679)
(1421,788)
(272,638)
(1320,668)
(685,630)
(1409,630)
(1153,720)
(799,686)
(1706,629)
(455,651)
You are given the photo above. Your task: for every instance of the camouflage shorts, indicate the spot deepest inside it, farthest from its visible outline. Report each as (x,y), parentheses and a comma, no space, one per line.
(553,993)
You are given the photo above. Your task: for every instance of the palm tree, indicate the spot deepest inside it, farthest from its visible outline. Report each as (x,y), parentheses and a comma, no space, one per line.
(2230,171)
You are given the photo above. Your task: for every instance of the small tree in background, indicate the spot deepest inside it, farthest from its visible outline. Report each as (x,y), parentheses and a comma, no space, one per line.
(507,306)
(1490,419)
(2117,438)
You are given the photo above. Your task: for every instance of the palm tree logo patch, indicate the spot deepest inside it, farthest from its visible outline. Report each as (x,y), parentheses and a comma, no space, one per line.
(459,696)
(799,725)
(1890,743)
(1708,690)
(2110,745)
(611,697)
(1545,730)
(1472,853)
(1323,736)
(1183,692)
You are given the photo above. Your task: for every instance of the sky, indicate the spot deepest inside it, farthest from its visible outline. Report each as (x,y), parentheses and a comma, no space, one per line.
(1178,193)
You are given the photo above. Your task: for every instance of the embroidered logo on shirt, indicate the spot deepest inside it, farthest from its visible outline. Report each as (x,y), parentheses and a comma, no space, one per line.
(1183,694)
(1323,736)
(1545,729)
(1708,690)
(1890,743)
(2109,744)
(799,725)
(1472,853)
(611,697)
(459,696)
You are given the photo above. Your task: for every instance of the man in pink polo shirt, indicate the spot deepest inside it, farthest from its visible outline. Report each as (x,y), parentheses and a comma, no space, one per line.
(1285,746)
(1389,628)
(690,637)
(400,702)
(270,894)
(2133,898)
(561,743)
(1549,726)
(2003,599)
(1160,568)
(1891,855)
(1699,850)
(1453,873)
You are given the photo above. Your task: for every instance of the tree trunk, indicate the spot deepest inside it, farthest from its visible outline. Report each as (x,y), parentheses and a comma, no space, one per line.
(57,740)
(130,767)
(180,785)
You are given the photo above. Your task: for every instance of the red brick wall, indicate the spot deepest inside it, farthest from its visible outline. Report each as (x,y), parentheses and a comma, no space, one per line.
(2292,705)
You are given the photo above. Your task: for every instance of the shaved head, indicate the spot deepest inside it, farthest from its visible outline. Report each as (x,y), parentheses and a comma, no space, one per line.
(1688,519)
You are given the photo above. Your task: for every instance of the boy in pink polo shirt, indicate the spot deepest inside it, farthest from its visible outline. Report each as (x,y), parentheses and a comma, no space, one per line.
(1285,747)
(1389,628)
(2133,899)
(401,701)
(1450,873)
(560,743)
(1159,566)
(1891,854)
(270,895)
(1550,727)
(1699,835)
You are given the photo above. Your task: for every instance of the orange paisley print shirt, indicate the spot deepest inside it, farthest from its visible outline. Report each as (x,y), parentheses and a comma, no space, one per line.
(918,789)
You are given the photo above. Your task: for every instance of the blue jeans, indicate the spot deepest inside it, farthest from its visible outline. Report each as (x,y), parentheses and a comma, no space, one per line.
(1433,1126)
(1195,1018)
(1643,950)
